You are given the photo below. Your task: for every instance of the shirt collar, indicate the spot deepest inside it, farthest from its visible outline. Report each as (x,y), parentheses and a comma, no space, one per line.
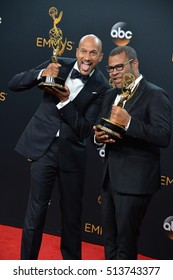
(137,81)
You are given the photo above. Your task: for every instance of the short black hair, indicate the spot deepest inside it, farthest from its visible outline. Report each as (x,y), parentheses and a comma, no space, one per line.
(129,51)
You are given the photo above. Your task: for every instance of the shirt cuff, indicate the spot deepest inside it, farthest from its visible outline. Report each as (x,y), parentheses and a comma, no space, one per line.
(62,104)
(39,75)
(127,126)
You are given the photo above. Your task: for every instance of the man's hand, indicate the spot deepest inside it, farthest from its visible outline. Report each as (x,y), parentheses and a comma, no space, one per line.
(61,95)
(52,70)
(119,116)
(101,136)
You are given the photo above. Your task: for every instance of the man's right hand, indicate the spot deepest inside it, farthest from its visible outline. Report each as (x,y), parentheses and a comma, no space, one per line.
(52,70)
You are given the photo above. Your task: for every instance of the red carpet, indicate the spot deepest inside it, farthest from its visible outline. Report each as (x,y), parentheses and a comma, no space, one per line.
(10,238)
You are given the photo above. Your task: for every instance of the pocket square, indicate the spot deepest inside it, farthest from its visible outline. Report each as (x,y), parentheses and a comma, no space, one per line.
(94,92)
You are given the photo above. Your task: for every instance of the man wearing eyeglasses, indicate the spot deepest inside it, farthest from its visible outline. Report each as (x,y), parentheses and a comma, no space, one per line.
(132,161)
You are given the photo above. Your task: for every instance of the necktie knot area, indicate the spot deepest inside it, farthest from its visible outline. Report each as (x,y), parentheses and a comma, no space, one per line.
(77,75)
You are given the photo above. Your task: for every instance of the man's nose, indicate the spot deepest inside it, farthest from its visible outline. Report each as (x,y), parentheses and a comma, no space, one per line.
(87,56)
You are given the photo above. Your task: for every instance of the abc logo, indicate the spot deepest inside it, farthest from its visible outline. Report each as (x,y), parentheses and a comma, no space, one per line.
(168,227)
(121,36)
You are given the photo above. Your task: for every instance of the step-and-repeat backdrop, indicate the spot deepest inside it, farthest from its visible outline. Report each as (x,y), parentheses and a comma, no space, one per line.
(25,43)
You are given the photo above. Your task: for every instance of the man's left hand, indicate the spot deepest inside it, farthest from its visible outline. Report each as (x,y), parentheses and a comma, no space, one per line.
(61,95)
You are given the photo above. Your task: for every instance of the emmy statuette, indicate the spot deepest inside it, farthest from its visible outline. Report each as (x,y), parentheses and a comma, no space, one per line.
(58,46)
(115,130)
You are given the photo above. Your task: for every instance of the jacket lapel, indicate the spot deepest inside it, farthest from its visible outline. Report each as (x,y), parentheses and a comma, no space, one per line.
(90,89)
(137,95)
(67,66)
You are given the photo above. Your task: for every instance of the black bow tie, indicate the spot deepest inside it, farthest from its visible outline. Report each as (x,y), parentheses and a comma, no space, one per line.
(77,75)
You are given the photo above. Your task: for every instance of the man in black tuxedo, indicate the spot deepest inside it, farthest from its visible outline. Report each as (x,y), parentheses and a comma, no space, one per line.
(54,142)
(132,161)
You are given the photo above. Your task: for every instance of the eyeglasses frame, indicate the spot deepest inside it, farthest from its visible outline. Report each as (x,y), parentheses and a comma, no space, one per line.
(118,65)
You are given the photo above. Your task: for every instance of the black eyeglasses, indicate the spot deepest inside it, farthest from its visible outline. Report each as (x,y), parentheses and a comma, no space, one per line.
(118,67)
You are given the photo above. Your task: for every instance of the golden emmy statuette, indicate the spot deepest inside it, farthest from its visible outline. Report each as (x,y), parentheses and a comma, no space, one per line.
(55,35)
(114,130)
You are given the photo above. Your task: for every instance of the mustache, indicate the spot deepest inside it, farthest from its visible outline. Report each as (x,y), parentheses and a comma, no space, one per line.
(117,76)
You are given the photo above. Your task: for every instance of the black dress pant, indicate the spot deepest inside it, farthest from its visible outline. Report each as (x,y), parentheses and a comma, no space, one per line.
(122,218)
(43,175)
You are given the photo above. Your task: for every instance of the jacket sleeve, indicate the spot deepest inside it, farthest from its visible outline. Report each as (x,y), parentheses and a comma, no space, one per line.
(28,79)
(82,122)
(156,129)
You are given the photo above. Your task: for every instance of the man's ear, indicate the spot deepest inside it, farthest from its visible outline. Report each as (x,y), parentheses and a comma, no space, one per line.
(101,57)
(135,64)
(76,52)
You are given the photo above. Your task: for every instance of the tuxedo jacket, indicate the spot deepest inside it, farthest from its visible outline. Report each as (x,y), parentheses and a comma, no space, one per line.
(133,162)
(75,120)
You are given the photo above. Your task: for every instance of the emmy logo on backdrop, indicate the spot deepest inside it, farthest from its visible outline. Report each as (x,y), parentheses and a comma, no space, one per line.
(114,130)
(56,36)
